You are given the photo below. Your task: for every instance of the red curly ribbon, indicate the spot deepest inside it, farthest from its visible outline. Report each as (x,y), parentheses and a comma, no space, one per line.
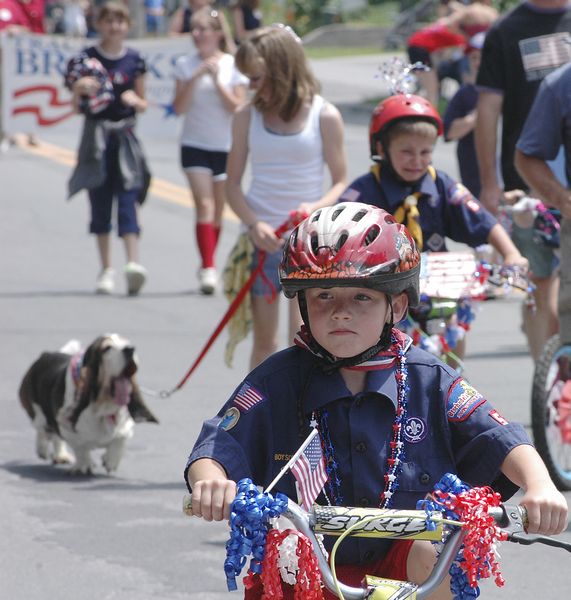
(308,580)
(479,554)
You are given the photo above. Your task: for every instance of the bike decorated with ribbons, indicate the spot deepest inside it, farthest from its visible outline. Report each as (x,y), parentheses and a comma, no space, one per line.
(451,283)
(466,524)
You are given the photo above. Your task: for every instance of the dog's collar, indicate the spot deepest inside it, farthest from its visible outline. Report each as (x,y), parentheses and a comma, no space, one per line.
(75,367)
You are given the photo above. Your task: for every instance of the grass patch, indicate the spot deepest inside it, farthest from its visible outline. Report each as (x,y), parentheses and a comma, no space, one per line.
(382,15)
(336,51)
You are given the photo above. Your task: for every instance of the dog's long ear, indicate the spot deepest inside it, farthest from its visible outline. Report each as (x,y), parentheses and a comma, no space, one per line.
(88,386)
(137,407)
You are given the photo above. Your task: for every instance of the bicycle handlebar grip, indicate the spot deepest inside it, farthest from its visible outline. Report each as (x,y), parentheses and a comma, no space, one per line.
(511,517)
(187,505)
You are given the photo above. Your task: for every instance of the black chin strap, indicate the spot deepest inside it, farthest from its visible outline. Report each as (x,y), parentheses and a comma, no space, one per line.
(329,363)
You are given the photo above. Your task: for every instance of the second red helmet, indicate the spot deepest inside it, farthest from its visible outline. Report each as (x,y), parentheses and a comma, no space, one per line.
(401,106)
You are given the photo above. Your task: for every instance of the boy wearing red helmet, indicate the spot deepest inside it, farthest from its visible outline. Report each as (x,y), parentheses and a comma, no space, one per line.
(363,385)
(402,134)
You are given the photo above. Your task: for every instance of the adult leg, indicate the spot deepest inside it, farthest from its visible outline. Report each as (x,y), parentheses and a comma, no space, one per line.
(429,82)
(265,320)
(540,324)
(565,283)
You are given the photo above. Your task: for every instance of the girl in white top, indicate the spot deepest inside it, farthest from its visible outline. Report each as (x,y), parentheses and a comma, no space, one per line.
(290,134)
(209,88)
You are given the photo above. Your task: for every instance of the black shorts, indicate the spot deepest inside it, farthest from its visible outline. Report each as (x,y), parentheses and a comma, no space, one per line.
(212,161)
(418,54)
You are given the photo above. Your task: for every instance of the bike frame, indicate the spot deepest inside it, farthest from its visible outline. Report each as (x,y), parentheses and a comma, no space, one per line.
(387,523)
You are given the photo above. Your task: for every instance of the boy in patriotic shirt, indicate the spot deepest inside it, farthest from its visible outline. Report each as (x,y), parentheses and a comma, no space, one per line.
(391,419)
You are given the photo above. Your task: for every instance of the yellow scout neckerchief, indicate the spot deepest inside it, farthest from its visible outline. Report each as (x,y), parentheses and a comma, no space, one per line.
(407,212)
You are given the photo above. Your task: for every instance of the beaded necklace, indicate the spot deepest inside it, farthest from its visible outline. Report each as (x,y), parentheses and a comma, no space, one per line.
(319,418)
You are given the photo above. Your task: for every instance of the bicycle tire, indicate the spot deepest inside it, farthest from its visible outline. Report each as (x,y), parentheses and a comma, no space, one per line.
(554,451)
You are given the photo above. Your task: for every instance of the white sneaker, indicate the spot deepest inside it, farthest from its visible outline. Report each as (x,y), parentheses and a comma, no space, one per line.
(105,282)
(136,276)
(208,280)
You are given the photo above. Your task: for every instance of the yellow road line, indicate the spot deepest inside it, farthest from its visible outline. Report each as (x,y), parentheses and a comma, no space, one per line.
(161,188)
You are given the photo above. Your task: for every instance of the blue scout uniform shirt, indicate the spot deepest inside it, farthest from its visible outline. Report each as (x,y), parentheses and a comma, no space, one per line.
(446,207)
(450,427)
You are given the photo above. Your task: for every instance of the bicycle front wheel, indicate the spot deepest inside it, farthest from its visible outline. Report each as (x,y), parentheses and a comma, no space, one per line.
(551,410)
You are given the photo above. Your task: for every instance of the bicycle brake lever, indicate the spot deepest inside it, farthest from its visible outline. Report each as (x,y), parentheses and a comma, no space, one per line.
(511,518)
(527,540)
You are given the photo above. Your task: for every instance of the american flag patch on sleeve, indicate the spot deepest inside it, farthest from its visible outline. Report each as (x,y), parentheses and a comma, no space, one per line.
(350,195)
(247,397)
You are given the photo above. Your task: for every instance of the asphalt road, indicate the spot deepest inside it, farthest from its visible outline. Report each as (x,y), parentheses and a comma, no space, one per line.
(124,536)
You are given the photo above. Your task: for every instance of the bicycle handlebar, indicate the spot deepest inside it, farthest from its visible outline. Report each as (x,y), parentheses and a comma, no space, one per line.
(395,524)
(391,524)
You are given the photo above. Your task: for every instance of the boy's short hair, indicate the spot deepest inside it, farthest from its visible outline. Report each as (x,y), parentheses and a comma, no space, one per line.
(114,9)
(410,126)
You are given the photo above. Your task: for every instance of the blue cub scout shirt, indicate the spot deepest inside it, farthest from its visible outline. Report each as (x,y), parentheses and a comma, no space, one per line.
(450,427)
(446,207)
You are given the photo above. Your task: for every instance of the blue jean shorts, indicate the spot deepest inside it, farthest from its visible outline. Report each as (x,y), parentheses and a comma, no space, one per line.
(542,260)
(271,272)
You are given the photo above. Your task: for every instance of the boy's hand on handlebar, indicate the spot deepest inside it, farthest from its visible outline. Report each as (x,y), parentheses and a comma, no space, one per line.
(516,260)
(212,498)
(546,509)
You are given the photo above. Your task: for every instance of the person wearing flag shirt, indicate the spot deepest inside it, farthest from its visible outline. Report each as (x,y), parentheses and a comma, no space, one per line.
(391,418)
(521,48)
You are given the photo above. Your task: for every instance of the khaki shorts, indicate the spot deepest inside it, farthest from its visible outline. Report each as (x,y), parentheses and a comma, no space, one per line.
(542,260)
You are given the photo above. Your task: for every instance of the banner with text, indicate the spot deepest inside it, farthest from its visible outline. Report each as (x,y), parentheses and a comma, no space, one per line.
(34,98)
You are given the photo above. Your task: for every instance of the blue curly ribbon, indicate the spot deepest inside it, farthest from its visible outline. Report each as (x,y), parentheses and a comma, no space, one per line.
(249,524)
(453,485)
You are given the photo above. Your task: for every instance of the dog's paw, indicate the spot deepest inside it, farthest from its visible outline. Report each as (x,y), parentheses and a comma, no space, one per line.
(82,471)
(43,452)
(43,445)
(110,462)
(63,459)
(61,454)
(113,454)
(83,464)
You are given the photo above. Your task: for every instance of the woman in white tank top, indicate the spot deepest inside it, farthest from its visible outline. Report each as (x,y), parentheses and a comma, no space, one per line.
(290,134)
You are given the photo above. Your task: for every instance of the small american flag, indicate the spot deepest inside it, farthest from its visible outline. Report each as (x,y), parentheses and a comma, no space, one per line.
(309,471)
(247,397)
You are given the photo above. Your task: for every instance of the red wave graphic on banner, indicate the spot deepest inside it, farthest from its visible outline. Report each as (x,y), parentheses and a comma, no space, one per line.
(36,109)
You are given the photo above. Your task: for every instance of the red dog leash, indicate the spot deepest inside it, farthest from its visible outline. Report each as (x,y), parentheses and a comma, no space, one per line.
(293,221)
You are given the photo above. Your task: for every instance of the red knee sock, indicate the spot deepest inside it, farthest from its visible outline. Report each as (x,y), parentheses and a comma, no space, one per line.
(206,239)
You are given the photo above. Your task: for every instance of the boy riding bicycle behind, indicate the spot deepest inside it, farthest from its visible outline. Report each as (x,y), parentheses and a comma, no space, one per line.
(392,419)
(402,135)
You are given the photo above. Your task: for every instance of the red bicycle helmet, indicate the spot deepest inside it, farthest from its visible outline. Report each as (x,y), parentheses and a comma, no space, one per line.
(401,106)
(351,245)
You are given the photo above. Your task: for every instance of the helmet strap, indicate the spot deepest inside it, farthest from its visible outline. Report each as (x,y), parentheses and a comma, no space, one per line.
(328,362)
